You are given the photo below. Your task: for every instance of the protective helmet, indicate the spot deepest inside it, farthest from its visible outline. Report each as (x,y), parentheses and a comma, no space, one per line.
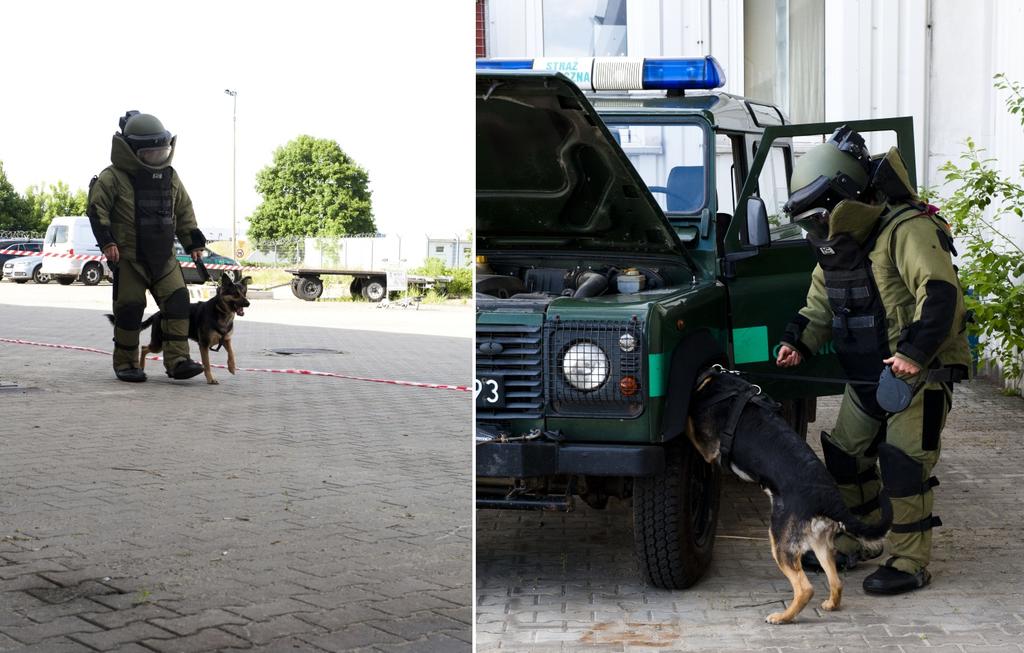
(146,135)
(838,169)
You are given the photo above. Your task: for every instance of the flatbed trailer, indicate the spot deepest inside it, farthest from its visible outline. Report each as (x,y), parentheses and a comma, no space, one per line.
(371,285)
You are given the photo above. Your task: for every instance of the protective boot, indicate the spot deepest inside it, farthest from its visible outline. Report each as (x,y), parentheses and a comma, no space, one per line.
(910,540)
(130,374)
(185,369)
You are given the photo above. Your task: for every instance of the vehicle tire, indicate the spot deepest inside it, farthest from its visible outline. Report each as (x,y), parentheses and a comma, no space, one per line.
(355,289)
(65,281)
(92,274)
(38,276)
(675,515)
(375,289)
(796,413)
(308,288)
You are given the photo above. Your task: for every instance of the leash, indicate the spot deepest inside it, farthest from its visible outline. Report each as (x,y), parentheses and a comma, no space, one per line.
(204,274)
(797,377)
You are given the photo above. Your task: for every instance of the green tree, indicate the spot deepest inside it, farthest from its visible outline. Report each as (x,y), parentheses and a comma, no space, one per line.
(46,204)
(991,264)
(14,210)
(312,189)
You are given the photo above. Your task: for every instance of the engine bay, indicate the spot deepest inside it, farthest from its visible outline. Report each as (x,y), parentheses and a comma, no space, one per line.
(548,281)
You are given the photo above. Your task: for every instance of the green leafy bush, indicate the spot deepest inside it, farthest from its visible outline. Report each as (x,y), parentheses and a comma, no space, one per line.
(462,278)
(991,264)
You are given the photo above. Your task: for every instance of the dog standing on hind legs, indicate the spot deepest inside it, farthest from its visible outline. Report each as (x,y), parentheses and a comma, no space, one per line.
(210,323)
(734,424)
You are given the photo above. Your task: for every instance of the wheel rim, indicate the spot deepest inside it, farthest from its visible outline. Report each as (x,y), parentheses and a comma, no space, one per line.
(91,275)
(375,291)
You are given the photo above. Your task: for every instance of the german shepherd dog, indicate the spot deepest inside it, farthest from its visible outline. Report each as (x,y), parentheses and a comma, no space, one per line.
(210,323)
(807,510)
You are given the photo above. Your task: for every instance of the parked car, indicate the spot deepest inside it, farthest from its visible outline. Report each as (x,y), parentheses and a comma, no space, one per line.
(72,235)
(19,245)
(210,257)
(20,269)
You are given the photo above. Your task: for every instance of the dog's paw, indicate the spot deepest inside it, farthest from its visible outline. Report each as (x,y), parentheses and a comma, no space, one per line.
(231,368)
(828,605)
(776,618)
(213,382)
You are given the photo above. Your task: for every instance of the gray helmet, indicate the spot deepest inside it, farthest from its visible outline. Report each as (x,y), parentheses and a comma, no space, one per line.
(146,135)
(837,170)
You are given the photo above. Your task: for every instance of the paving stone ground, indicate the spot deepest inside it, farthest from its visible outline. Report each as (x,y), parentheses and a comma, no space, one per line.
(569,582)
(270,512)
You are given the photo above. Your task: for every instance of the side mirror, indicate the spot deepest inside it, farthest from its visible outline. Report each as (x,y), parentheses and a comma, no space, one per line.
(757,223)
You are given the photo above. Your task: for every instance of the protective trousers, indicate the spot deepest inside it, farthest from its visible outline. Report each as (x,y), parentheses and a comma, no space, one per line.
(131,281)
(851,456)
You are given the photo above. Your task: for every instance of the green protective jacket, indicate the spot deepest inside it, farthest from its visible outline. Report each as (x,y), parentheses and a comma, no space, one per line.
(912,267)
(111,204)
(919,289)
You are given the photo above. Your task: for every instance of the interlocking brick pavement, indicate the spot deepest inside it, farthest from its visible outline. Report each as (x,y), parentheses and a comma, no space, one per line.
(569,582)
(270,512)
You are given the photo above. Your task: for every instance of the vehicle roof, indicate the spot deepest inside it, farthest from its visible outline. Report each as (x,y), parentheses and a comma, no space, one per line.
(724,110)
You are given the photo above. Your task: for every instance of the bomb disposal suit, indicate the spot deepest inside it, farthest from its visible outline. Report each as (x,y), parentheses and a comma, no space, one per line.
(139,205)
(884,289)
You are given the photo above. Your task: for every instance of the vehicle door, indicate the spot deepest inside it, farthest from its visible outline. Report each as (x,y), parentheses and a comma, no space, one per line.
(768,285)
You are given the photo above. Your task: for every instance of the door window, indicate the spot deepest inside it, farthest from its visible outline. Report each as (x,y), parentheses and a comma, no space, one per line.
(773,189)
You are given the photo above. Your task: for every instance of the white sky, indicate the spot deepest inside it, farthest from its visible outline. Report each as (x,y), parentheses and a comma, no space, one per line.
(391,82)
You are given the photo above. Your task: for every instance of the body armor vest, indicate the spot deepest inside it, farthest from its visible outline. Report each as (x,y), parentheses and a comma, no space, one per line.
(154,216)
(860,329)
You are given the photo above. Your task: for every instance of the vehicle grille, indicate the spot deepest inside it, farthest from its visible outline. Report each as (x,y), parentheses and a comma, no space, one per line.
(520,363)
(607,399)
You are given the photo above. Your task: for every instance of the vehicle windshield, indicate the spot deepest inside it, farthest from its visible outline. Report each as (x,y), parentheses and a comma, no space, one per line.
(56,233)
(671,161)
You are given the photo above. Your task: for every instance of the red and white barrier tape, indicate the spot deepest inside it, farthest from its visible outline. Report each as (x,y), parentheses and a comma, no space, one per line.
(99,257)
(335,375)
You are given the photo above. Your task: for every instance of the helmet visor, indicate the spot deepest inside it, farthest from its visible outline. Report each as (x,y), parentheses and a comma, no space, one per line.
(814,222)
(154,156)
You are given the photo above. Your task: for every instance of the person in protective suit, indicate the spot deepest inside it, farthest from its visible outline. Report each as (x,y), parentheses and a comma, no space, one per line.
(136,207)
(885,292)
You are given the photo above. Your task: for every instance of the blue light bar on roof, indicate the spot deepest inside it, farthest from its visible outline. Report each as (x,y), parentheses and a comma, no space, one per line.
(504,64)
(623,73)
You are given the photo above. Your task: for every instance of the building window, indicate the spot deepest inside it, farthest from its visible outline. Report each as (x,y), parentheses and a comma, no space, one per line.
(439,249)
(585,29)
(784,56)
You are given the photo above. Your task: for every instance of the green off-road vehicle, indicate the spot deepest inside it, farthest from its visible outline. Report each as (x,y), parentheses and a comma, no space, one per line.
(627,241)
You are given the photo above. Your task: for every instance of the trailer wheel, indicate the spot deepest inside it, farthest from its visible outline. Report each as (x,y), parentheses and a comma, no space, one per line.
(308,288)
(375,289)
(355,289)
(65,280)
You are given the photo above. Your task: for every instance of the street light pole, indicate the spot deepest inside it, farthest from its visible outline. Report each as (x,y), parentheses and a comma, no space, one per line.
(234,167)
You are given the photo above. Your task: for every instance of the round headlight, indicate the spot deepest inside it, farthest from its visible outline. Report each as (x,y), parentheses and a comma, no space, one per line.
(627,342)
(585,366)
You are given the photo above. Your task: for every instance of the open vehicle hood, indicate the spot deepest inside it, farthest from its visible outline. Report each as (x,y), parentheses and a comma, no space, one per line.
(550,175)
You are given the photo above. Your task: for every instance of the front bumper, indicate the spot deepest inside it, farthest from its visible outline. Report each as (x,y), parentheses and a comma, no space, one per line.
(546,458)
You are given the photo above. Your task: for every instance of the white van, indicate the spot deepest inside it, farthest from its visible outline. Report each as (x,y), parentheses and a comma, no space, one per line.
(72,235)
